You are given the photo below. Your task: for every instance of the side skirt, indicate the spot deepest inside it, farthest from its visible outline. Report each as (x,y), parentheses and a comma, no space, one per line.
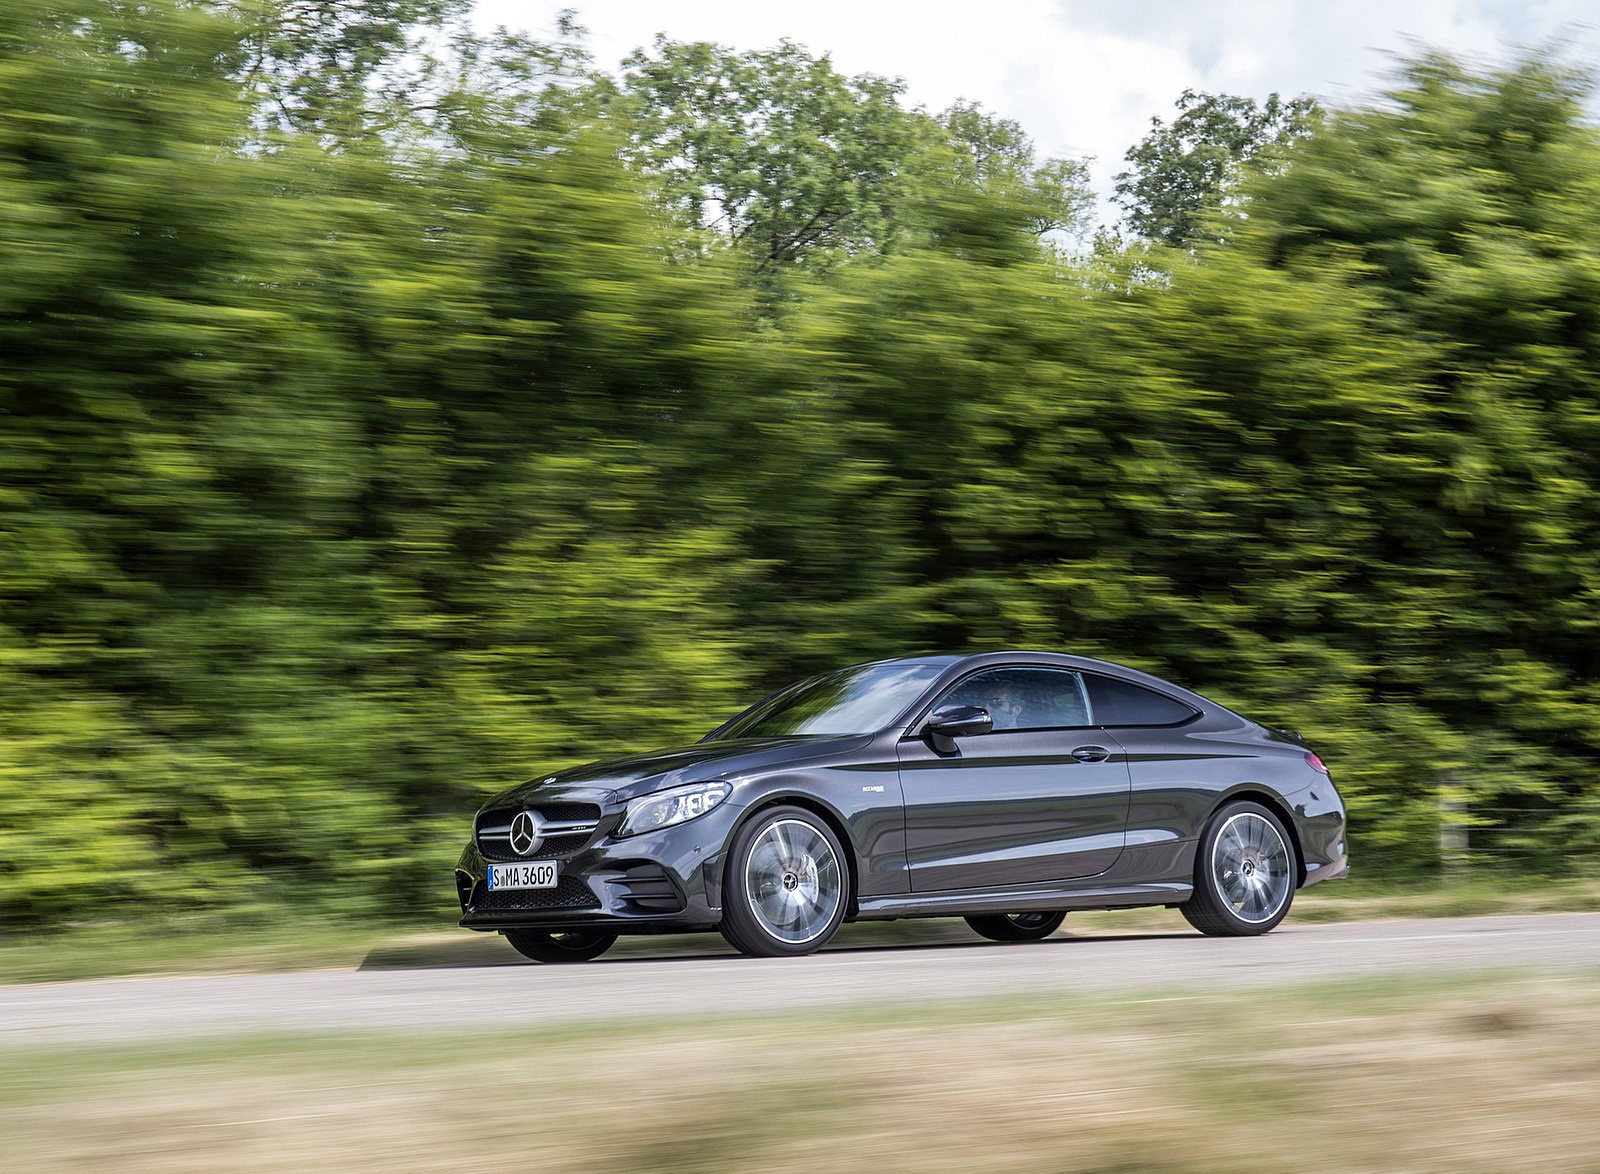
(1033,900)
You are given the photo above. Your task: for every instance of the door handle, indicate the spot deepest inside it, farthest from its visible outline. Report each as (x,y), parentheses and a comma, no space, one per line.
(1091,754)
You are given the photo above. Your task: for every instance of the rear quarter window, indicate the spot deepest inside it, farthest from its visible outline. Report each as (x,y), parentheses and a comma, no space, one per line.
(1117,703)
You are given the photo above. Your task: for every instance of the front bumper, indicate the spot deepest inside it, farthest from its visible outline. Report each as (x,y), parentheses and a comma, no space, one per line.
(659,882)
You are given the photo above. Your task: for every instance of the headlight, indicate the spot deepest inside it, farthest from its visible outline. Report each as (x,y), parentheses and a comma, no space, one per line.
(665,808)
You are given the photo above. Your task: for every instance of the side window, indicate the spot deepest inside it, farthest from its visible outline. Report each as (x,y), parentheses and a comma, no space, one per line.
(1117,703)
(1024,699)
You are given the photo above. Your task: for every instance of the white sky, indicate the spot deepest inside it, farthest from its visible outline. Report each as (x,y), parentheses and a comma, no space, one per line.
(1084,77)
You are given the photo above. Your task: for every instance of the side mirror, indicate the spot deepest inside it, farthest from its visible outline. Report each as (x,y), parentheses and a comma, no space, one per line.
(950,722)
(960,721)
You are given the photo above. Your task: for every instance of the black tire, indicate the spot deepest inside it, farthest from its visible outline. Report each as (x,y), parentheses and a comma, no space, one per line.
(1016,927)
(786,887)
(1245,873)
(579,945)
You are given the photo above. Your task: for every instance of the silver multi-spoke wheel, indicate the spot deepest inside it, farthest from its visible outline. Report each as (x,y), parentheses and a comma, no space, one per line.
(787,885)
(793,881)
(1245,873)
(1250,863)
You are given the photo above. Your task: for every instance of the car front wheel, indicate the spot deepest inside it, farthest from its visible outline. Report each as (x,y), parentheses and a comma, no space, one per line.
(1017,927)
(787,887)
(1244,874)
(571,946)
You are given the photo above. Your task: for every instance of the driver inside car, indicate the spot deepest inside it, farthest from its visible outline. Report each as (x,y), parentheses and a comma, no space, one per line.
(1005,707)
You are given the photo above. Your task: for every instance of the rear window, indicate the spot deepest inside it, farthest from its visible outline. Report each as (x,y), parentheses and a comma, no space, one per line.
(1117,703)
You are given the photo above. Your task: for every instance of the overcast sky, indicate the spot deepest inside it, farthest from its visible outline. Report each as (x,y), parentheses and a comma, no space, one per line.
(1084,77)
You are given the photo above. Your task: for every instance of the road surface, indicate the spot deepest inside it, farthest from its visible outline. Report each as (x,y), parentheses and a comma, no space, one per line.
(480,992)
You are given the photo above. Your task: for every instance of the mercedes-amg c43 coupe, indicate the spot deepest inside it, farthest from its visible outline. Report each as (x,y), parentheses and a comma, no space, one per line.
(1005,788)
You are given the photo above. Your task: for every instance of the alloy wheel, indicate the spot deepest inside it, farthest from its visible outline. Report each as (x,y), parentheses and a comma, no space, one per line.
(1252,868)
(793,881)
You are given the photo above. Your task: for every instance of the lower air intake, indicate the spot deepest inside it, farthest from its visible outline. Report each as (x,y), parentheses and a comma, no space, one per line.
(570,893)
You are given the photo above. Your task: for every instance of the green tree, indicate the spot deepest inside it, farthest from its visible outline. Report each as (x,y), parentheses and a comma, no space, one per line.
(1184,170)
(996,154)
(800,167)
(788,158)
(320,65)
(414,74)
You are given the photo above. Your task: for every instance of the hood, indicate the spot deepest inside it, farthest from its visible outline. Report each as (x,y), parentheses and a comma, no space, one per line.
(621,779)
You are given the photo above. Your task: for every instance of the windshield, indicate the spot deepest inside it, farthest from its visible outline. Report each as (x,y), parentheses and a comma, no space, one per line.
(859,700)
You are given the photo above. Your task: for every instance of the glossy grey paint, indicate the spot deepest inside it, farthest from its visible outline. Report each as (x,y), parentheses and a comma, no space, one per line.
(1010,807)
(1039,831)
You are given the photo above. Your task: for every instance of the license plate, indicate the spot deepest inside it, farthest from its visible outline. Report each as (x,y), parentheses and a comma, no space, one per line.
(539,874)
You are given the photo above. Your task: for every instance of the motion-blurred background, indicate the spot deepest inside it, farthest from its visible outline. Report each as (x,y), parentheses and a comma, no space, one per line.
(391,410)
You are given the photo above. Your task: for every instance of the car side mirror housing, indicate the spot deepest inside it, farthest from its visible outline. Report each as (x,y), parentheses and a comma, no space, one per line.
(950,722)
(960,721)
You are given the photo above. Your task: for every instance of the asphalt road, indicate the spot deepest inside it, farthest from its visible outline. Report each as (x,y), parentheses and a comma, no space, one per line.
(479,990)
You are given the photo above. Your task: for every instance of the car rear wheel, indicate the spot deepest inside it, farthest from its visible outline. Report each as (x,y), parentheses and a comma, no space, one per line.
(1244,873)
(786,888)
(1017,927)
(571,946)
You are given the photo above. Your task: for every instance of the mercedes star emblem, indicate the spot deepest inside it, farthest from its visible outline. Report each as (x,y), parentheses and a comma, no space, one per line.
(527,833)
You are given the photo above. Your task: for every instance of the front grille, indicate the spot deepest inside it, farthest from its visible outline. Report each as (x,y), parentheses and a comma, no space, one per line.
(561,812)
(570,893)
(568,829)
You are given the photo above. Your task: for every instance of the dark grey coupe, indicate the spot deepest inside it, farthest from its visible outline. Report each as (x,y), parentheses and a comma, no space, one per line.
(1005,788)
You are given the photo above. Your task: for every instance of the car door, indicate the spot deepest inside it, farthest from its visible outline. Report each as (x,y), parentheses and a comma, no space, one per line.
(1041,798)
(1172,772)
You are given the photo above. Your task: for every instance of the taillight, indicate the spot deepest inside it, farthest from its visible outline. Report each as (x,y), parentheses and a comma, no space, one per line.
(1316,763)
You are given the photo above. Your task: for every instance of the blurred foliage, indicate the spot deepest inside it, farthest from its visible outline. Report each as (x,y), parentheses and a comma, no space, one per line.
(374,439)
(313,65)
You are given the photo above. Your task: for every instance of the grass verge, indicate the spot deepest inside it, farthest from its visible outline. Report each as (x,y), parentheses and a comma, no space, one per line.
(1492,1073)
(208,945)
